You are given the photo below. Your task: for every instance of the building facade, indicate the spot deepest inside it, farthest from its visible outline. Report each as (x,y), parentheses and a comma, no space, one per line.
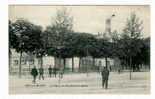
(83,65)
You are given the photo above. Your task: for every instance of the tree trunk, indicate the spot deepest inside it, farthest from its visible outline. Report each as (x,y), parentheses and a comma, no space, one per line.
(29,66)
(20,67)
(130,66)
(79,64)
(60,62)
(93,66)
(64,63)
(10,61)
(106,62)
(72,64)
(126,62)
(55,63)
(87,66)
(41,62)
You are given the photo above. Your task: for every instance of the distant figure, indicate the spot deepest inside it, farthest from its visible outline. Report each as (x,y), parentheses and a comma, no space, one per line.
(110,68)
(105,76)
(119,71)
(55,71)
(61,73)
(50,70)
(100,65)
(41,73)
(34,73)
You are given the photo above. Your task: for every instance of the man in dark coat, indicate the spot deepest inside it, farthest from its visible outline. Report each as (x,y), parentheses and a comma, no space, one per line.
(41,73)
(50,70)
(105,76)
(34,73)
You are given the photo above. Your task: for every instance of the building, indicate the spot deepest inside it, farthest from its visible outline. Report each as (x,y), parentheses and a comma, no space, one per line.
(29,61)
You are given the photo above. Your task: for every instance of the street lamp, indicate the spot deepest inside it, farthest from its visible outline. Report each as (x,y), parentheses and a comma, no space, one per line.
(108,32)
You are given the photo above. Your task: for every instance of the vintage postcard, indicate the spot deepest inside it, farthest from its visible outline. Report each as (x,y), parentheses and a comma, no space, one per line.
(79,49)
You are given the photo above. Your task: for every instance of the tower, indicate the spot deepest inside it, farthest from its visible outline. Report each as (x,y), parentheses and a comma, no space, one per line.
(108,26)
(107,34)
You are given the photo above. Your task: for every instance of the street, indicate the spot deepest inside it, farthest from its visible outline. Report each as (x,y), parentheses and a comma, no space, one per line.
(80,83)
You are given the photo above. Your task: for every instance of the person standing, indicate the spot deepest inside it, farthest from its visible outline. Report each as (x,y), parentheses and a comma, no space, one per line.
(41,73)
(50,70)
(100,65)
(105,76)
(34,73)
(61,71)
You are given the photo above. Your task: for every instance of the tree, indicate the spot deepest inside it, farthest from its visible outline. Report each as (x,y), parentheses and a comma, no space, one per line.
(28,38)
(142,57)
(82,45)
(105,50)
(130,38)
(146,51)
(59,31)
(63,21)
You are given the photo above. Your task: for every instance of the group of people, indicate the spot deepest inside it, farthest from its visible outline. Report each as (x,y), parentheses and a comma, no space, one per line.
(53,71)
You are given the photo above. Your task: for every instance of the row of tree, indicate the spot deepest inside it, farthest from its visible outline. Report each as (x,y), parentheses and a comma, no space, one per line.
(60,41)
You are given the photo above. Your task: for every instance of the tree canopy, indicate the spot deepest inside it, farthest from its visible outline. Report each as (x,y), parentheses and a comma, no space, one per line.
(59,40)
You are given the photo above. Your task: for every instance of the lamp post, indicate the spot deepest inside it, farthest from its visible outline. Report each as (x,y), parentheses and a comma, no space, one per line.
(109,35)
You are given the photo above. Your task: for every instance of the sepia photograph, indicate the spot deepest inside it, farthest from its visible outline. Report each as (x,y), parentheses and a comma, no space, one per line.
(75,49)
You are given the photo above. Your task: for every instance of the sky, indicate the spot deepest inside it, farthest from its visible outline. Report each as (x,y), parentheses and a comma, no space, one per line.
(89,19)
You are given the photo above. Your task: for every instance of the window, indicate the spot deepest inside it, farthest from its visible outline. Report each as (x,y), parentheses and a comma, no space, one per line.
(15,62)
